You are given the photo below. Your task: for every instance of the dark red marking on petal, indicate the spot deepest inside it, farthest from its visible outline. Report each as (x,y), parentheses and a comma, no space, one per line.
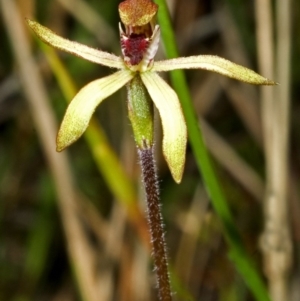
(134,47)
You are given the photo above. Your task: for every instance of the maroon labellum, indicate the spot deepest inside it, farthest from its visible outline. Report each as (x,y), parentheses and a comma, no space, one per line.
(138,48)
(134,48)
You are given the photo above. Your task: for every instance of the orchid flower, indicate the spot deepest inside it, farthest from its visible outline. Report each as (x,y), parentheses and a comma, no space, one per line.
(139,36)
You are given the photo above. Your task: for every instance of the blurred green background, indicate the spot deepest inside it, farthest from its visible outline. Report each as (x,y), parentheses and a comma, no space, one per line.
(72,224)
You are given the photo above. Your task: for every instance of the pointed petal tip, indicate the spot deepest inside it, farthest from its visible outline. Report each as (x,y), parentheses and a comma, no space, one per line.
(31,23)
(63,140)
(176,164)
(177,178)
(268,82)
(71,129)
(59,147)
(272,83)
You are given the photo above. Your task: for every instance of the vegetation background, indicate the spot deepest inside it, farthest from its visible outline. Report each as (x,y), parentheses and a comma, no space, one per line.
(72,224)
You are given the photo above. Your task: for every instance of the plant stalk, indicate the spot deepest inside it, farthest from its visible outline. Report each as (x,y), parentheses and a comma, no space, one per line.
(155,222)
(140,112)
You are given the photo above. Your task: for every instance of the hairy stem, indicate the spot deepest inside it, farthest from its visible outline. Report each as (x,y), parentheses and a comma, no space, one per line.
(155,222)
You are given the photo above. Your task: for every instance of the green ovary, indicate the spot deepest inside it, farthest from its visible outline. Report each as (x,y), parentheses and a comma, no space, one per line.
(140,108)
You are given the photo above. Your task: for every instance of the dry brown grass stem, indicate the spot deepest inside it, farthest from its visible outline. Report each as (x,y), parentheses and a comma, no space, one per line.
(113,249)
(81,257)
(141,283)
(276,242)
(191,224)
(205,97)
(244,100)
(246,106)
(232,162)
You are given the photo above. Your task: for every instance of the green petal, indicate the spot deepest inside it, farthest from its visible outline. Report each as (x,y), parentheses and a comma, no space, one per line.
(83,51)
(83,105)
(174,128)
(215,64)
